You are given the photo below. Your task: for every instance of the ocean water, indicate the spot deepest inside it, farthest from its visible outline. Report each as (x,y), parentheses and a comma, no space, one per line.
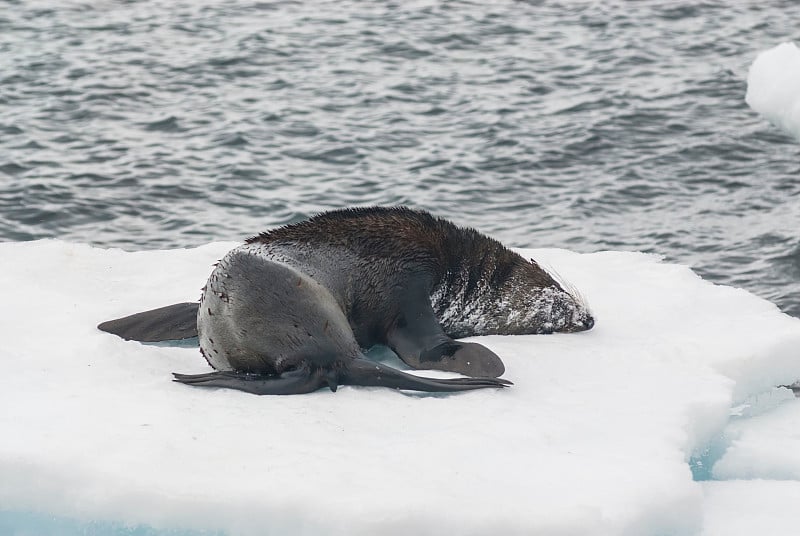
(583,125)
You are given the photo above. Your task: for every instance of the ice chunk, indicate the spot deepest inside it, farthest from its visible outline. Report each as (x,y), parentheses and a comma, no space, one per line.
(594,437)
(763,446)
(773,87)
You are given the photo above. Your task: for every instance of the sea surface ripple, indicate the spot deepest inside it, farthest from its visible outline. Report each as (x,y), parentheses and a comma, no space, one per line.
(583,125)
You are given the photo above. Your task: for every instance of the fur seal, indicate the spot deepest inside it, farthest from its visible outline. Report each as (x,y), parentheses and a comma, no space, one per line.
(290,310)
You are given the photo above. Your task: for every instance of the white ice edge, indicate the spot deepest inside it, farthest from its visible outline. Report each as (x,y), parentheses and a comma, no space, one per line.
(594,437)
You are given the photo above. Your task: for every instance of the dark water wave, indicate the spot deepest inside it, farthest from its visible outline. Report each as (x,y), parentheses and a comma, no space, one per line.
(586,125)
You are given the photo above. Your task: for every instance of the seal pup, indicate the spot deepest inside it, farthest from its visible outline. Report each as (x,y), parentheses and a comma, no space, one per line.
(290,300)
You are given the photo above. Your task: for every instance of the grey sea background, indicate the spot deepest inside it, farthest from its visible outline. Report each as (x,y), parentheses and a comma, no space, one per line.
(581,125)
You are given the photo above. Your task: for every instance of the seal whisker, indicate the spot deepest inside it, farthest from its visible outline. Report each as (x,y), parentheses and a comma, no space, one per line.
(568,287)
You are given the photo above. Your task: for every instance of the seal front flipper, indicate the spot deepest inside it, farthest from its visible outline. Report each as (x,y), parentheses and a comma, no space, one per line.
(468,358)
(418,339)
(173,322)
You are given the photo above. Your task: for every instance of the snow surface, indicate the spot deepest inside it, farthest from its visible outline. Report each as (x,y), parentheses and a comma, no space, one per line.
(773,87)
(597,435)
(751,507)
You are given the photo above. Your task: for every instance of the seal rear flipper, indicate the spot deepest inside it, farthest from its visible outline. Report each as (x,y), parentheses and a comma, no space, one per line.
(299,381)
(370,374)
(173,322)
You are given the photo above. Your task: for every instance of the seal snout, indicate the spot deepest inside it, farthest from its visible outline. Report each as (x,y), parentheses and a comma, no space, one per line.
(580,320)
(583,322)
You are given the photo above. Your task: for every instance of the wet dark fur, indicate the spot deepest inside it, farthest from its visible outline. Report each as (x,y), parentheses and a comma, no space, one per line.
(390,241)
(412,238)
